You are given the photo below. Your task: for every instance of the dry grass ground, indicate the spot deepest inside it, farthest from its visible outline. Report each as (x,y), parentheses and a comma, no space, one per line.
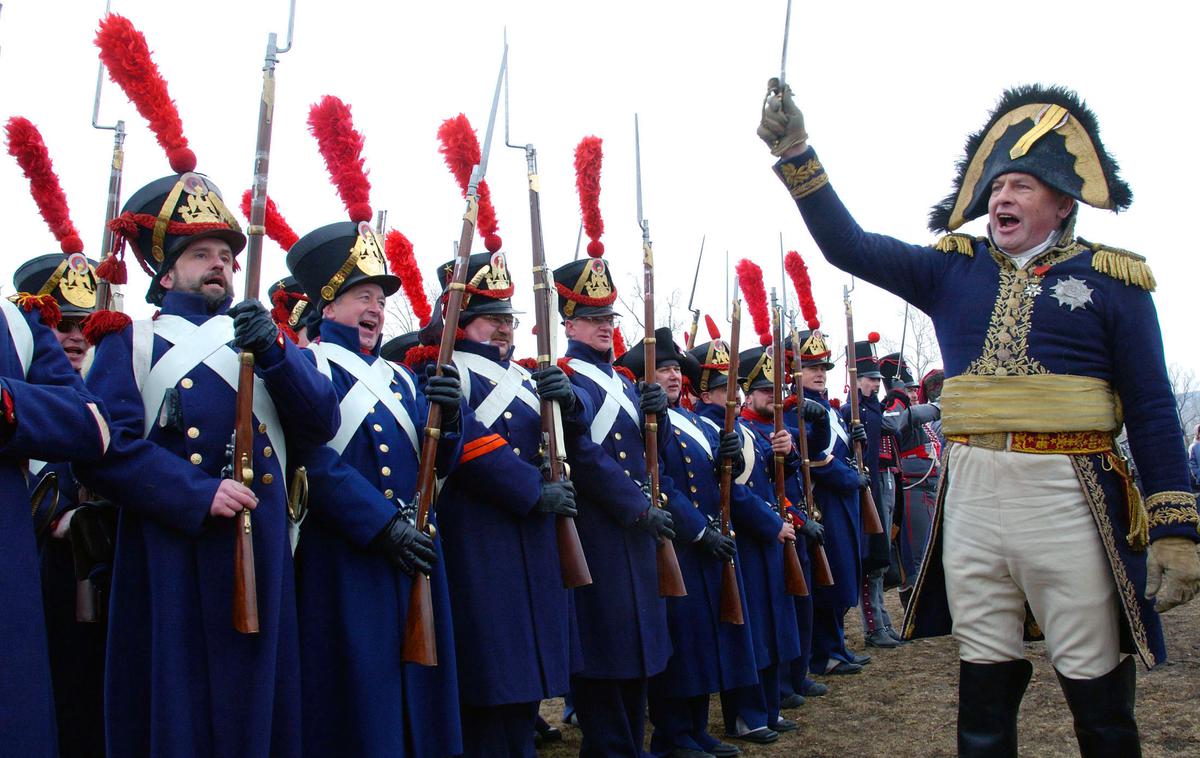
(904,703)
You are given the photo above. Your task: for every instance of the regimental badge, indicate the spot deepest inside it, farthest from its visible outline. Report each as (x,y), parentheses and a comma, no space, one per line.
(814,347)
(199,207)
(768,367)
(368,252)
(1071,292)
(497,273)
(78,283)
(594,281)
(718,354)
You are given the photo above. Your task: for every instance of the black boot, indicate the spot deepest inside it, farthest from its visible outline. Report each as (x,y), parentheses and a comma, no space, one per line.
(989,695)
(1103,710)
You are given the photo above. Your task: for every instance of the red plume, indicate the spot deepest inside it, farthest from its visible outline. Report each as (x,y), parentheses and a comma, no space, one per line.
(873,337)
(619,347)
(277,227)
(713,332)
(460,148)
(750,279)
(588,157)
(341,146)
(403,263)
(797,271)
(26,145)
(124,52)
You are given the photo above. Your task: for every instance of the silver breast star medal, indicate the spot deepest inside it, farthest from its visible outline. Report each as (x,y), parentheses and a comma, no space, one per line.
(1071,292)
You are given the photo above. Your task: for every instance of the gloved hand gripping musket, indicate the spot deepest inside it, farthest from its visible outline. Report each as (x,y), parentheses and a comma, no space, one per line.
(571,559)
(731,598)
(245,589)
(670,578)
(420,643)
(868,512)
(793,574)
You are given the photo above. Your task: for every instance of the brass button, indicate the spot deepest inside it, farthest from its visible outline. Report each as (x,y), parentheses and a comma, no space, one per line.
(687,459)
(751,484)
(377,428)
(1003,354)
(693,489)
(684,444)
(677,432)
(186,383)
(1008,321)
(508,414)
(627,473)
(262,428)
(696,503)
(386,471)
(196,459)
(622,455)
(617,436)
(388,494)
(267,478)
(193,432)
(384,448)
(1022,274)
(268,452)
(1004,337)
(517,450)
(1001,371)
(1013,302)
(398,395)
(691,475)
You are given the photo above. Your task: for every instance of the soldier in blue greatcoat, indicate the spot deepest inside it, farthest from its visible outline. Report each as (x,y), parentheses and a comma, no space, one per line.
(1050,342)
(708,655)
(180,679)
(358,548)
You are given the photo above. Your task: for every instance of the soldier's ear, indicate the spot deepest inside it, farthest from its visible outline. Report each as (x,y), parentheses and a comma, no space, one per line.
(1066,204)
(167,280)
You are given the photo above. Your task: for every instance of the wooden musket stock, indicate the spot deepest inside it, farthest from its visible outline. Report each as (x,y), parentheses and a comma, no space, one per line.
(866,501)
(793,573)
(822,573)
(731,597)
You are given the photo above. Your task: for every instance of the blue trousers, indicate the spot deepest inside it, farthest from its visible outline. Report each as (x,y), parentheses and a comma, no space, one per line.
(828,638)
(757,705)
(499,730)
(680,723)
(612,716)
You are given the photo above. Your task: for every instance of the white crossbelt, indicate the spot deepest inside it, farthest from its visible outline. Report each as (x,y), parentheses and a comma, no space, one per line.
(685,425)
(615,399)
(22,335)
(373,384)
(192,345)
(510,385)
(748,455)
(839,433)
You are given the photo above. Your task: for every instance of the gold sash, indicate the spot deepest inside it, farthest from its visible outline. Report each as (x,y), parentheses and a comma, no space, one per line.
(1038,403)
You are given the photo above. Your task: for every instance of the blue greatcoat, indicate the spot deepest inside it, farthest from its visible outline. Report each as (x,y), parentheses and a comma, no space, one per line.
(709,656)
(512,621)
(52,422)
(622,620)
(180,680)
(359,697)
(1068,312)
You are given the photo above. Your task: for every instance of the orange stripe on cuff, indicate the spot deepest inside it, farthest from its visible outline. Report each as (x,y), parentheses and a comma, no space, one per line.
(475,452)
(488,440)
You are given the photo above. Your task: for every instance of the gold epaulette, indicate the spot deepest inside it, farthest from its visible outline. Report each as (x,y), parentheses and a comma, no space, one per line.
(1130,268)
(957,243)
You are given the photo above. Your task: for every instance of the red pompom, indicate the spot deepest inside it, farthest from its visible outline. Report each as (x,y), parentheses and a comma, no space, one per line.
(589,155)
(277,227)
(403,263)
(126,55)
(46,305)
(814,323)
(112,270)
(625,372)
(873,337)
(750,279)
(835,403)
(798,272)
(564,363)
(713,332)
(99,324)
(529,364)
(26,145)
(419,354)
(619,347)
(341,146)
(460,149)
(492,242)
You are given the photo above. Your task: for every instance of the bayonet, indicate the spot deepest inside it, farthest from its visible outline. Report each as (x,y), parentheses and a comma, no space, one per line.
(692,298)
(578,240)
(104,295)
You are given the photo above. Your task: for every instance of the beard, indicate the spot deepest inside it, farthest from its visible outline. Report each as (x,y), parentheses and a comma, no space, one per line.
(212,298)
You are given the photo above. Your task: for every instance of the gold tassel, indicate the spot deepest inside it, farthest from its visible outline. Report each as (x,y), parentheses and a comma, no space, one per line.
(1139,520)
(1123,265)
(956,243)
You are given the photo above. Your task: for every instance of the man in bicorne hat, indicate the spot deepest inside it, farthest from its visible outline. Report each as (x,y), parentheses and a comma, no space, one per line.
(1047,338)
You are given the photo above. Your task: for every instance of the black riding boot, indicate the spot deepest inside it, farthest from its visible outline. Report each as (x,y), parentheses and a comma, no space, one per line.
(1103,710)
(989,696)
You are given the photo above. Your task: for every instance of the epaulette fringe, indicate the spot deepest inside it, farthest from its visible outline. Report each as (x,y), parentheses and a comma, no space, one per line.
(1130,268)
(957,243)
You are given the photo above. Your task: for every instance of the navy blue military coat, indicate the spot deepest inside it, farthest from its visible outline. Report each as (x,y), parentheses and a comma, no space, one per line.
(180,680)
(512,622)
(360,698)
(1070,311)
(53,421)
(709,656)
(622,620)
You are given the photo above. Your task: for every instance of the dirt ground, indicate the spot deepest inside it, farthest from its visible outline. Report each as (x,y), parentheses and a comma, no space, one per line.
(904,703)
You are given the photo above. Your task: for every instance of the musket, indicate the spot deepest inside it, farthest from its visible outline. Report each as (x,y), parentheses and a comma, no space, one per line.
(670,578)
(572,562)
(691,341)
(245,583)
(112,207)
(821,572)
(731,598)
(420,643)
(793,574)
(866,501)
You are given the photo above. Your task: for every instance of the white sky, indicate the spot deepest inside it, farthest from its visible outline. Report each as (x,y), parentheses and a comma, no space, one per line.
(889,91)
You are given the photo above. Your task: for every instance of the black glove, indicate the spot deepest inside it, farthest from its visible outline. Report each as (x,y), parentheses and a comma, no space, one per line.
(253,328)
(446,391)
(858,434)
(731,445)
(410,550)
(553,384)
(558,498)
(864,480)
(656,521)
(718,545)
(814,531)
(814,411)
(654,398)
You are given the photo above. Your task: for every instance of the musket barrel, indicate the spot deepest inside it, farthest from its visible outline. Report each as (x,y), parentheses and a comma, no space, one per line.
(731,598)
(793,573)
(867,510)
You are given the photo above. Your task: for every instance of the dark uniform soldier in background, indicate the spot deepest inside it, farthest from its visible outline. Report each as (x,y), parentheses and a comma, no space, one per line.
(1042,333)
(707,655)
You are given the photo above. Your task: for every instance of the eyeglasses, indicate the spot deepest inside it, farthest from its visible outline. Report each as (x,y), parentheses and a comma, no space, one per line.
(610,320)
(512,322)
(68,325)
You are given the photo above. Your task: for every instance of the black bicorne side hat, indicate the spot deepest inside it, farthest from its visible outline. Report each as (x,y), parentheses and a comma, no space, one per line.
(70,280)
(1045,131)
(397,347)
(666,353)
